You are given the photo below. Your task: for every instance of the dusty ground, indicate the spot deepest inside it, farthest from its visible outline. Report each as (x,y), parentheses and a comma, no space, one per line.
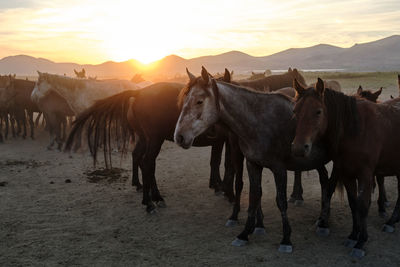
(46,219)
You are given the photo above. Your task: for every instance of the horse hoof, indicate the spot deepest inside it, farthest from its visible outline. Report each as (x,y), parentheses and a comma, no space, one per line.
(231,223)
(357,253)
(350,243)
(259,231)
(321,231)
(299,203)
(139,188)
(152,211)
(161,204)
(383,214)
(239,242)
(285,248)
(292,200)
(388,228)
(387,204)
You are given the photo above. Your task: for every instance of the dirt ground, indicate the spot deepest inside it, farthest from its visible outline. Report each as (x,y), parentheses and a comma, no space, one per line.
(53,213)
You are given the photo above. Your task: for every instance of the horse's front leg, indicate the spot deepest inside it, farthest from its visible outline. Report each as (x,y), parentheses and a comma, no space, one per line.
(280,175)
(363,203)
(254,172)
(297,195)
(215,161)
(322,223)
(382,200)
(389,225)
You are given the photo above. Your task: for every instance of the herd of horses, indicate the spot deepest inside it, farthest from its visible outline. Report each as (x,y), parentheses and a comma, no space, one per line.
(276,122)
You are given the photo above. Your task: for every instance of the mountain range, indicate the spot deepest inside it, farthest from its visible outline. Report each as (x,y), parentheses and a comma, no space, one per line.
(379,55)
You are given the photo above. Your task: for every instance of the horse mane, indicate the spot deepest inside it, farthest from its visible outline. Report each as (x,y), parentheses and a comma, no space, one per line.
(343,117)
(64,81)
(186,89)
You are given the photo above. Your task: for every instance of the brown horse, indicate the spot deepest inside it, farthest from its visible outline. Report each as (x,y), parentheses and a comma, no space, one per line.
(274,82)
(362,140)
(149,116)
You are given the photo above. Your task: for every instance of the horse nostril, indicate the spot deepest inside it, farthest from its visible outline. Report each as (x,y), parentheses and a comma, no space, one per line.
(306,147)
(179,139)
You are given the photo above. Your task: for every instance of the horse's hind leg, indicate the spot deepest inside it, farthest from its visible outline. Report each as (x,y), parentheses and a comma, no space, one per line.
(297,195)
(382,200)
(237,158)
(137,155)
(389,225)
(322,223)
(148,167)
(215,178)
(227,183)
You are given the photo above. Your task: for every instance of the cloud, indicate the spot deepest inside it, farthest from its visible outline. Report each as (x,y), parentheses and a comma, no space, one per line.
(94,31)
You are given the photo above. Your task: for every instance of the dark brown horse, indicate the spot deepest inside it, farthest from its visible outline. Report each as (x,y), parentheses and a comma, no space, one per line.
(362,140)
(274,82)
(264,126)
(148,116)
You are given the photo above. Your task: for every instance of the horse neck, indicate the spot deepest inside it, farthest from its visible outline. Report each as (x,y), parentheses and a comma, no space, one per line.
(71,95)
(237,108)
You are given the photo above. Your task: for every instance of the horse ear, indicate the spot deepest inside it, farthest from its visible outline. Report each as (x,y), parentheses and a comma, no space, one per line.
(320,87)
(289,70)
(295,71)
(231,74)
(252,73)
(391,97)
(227,76)
(298,88)
(191,76)
(204,75)
(359,90)
(377,93)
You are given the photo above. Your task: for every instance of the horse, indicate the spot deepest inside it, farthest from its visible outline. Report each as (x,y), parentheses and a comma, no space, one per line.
(274,82)
(277,83)
(148,116)
(55,110)
(80,94)
(264,127)
(362,140)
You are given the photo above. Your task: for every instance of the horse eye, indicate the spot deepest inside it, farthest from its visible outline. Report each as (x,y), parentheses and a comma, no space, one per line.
(319,112)
(199,102)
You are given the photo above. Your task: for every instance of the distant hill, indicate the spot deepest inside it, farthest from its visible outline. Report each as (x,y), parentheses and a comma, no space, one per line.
(380,55)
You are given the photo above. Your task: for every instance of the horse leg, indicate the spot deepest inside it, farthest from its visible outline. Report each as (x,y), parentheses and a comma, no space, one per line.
(227,183)
(255,172)
(351,189)
(31,124)
(148,166)
(1,129)
(389,225)
(363,203)
(280,176)
(58,122)
(322,223)
(137,155)
(382,200)
(23,119)
(238,159)
(297,195)
(215,161)
(6,122)
(12,124)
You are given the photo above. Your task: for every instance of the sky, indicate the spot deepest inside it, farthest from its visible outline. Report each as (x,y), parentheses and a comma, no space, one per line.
(94,31)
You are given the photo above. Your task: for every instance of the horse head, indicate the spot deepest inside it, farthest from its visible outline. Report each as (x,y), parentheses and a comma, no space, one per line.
(199,105)
(311,116)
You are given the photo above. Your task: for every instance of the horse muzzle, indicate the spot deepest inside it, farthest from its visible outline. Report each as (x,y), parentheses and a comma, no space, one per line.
(301,150)
(183,141)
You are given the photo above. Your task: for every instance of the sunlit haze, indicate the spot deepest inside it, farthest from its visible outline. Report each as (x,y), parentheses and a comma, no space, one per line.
(93,31)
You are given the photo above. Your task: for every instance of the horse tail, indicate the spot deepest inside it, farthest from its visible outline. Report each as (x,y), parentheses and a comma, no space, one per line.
(340,188)
(398,81)
(104,122)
